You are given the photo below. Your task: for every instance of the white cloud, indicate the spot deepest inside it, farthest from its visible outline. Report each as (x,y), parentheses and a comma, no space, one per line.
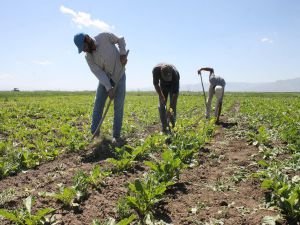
(82,19)
(42,62)
(266,40)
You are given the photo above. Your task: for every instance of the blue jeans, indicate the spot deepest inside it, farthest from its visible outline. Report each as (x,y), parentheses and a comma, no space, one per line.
(101,96)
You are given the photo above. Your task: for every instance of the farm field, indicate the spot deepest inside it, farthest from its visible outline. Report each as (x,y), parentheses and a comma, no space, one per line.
(244,170)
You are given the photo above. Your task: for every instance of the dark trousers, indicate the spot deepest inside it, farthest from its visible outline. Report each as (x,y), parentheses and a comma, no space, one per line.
(170,116)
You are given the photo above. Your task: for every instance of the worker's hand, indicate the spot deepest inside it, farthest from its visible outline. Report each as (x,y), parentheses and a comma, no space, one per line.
(123,59)
(111,93)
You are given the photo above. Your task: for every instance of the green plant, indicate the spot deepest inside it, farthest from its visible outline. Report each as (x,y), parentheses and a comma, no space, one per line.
(260,137)
(168,168)
(66,196)
(125,158)
(240,174)
(221,185)
(29,159)
(71,196)
(24,215)
(96,177)
(112,221)
(123,208)
(144,194)
(285,194)
(80,184)
(7,195)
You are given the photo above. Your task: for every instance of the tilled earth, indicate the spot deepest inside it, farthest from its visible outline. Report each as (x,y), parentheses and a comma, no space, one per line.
(219,190)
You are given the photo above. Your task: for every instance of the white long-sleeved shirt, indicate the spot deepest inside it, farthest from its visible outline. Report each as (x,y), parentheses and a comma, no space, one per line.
(104,62)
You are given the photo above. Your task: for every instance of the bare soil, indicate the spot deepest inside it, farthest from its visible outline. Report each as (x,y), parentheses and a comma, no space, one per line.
(219,190)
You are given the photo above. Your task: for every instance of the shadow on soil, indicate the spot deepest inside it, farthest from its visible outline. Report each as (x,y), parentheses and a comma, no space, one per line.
(100,152)
(161,213)
(227,125)
(176,189)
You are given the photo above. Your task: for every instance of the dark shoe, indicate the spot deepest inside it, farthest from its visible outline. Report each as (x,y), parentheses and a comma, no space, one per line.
(118,142)
(166,131)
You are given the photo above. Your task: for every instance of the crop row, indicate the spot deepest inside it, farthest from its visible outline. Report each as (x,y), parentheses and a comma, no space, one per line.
(274,127)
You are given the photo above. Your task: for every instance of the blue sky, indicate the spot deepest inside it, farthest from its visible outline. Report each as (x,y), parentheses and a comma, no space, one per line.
(245,41)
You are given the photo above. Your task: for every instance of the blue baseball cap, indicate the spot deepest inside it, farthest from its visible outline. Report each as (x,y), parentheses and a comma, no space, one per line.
(79,41)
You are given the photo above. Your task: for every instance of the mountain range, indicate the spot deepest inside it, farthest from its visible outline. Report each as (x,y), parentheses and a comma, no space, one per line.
(289,85)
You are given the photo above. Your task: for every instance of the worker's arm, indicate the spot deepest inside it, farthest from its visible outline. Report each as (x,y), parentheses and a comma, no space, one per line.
(101,75)
(120,41)
(156,74)
(160,94)
(175,87)
(208,69)
(98,72)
